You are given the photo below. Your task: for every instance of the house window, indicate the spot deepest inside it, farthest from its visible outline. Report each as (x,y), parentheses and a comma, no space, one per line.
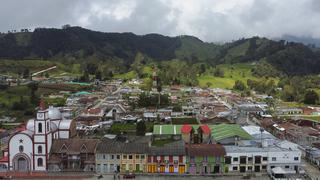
(39,127)
(40,149)
(265,158)
(235,168)
(249,159)
(274,159)
(112,156)
(124,156)
(271,167)
(264,167)
(118,156)
(40,162)
(235,159)
(104,156)
(142,156)
(287,167)
(191,158)
(21,148)
(228,160)
(130,156)
(137,157)
(249,168)
(296,158)
(205,158)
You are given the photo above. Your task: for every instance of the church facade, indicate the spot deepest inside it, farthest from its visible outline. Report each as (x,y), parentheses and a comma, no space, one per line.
(28,149)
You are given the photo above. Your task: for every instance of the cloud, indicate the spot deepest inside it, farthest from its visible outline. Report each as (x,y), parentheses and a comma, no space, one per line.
(210,20)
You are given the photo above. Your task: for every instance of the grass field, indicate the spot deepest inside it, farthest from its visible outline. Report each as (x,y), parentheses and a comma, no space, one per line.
(184,121)
(161,142)
(232,72)
(117,128)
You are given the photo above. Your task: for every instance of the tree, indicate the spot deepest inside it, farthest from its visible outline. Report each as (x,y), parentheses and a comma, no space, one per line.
(311,97)
(98,75)
(91,68)
(239,85)
(141,128)
(159,89)
(85,77)
(209,84)
(33,86)
(202,68)
(26,73)
(288,93)
(218,72)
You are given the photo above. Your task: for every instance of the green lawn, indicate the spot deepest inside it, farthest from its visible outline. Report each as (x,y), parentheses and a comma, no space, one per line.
(117,128)
(161,142)
(184,121)
(232,72)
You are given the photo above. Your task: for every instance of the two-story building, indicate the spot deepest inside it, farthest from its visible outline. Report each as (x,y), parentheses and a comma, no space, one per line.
(205,158)
(170,158)
(122,154)
(283,154)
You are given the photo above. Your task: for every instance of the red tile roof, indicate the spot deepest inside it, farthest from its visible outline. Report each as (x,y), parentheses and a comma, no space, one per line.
(4,159)
(205,129)
(93,111)
(186,128)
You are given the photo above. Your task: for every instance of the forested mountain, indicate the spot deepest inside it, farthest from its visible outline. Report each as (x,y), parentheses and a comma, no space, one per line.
(78,44)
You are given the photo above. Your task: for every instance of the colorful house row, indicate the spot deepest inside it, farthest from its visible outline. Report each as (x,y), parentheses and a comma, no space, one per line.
(172,158)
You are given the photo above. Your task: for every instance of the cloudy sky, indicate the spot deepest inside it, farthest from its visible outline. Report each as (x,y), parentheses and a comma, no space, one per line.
(210,20)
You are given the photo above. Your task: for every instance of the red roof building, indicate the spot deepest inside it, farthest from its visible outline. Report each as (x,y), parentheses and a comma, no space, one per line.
(205,129)
(186,129)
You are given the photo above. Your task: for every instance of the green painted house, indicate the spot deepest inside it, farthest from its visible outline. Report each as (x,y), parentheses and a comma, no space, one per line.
(205,158)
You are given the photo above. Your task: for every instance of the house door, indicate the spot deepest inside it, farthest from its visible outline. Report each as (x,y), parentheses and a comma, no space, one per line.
(162,168)
(182,169)
(216,169)
(171,169)
(137,167)
(242,169)
(205,169)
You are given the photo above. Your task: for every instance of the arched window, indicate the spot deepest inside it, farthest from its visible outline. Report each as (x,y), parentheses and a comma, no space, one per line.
(40,149)
(40,162)
(39,127)
(21,148)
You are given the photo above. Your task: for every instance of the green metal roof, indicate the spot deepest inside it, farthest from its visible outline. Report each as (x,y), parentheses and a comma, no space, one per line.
(223,131)
(82,93)
(218,132)
(79,83)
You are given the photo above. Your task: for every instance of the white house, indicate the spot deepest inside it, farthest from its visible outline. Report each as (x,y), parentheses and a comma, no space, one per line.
(28,149)
(283,154)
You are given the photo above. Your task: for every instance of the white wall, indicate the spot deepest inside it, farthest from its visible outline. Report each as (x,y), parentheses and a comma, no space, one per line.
(14,147)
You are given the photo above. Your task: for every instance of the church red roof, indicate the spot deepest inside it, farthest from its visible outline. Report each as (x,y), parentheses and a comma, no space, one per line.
(186,129)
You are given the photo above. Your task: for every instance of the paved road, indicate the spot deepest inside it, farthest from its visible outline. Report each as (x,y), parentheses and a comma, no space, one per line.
(110,177)
(312,171)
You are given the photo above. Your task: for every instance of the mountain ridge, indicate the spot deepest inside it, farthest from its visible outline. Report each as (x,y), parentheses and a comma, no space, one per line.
(80,44)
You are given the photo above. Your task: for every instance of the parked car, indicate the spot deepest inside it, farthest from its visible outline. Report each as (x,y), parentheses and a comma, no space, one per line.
(129,176)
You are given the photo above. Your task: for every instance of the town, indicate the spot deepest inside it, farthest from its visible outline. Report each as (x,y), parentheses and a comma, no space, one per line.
(115,128)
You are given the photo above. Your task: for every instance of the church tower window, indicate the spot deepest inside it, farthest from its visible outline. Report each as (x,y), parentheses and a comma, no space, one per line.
(40,149)
(40,162)
(39,127)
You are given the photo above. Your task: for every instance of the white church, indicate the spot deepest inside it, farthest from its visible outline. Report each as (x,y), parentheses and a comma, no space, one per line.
(28,150)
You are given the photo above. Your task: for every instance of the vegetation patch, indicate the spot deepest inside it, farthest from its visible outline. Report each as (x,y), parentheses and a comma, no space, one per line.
(186,120)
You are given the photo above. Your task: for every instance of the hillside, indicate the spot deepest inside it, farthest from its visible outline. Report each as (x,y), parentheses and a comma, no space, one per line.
(118,50)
